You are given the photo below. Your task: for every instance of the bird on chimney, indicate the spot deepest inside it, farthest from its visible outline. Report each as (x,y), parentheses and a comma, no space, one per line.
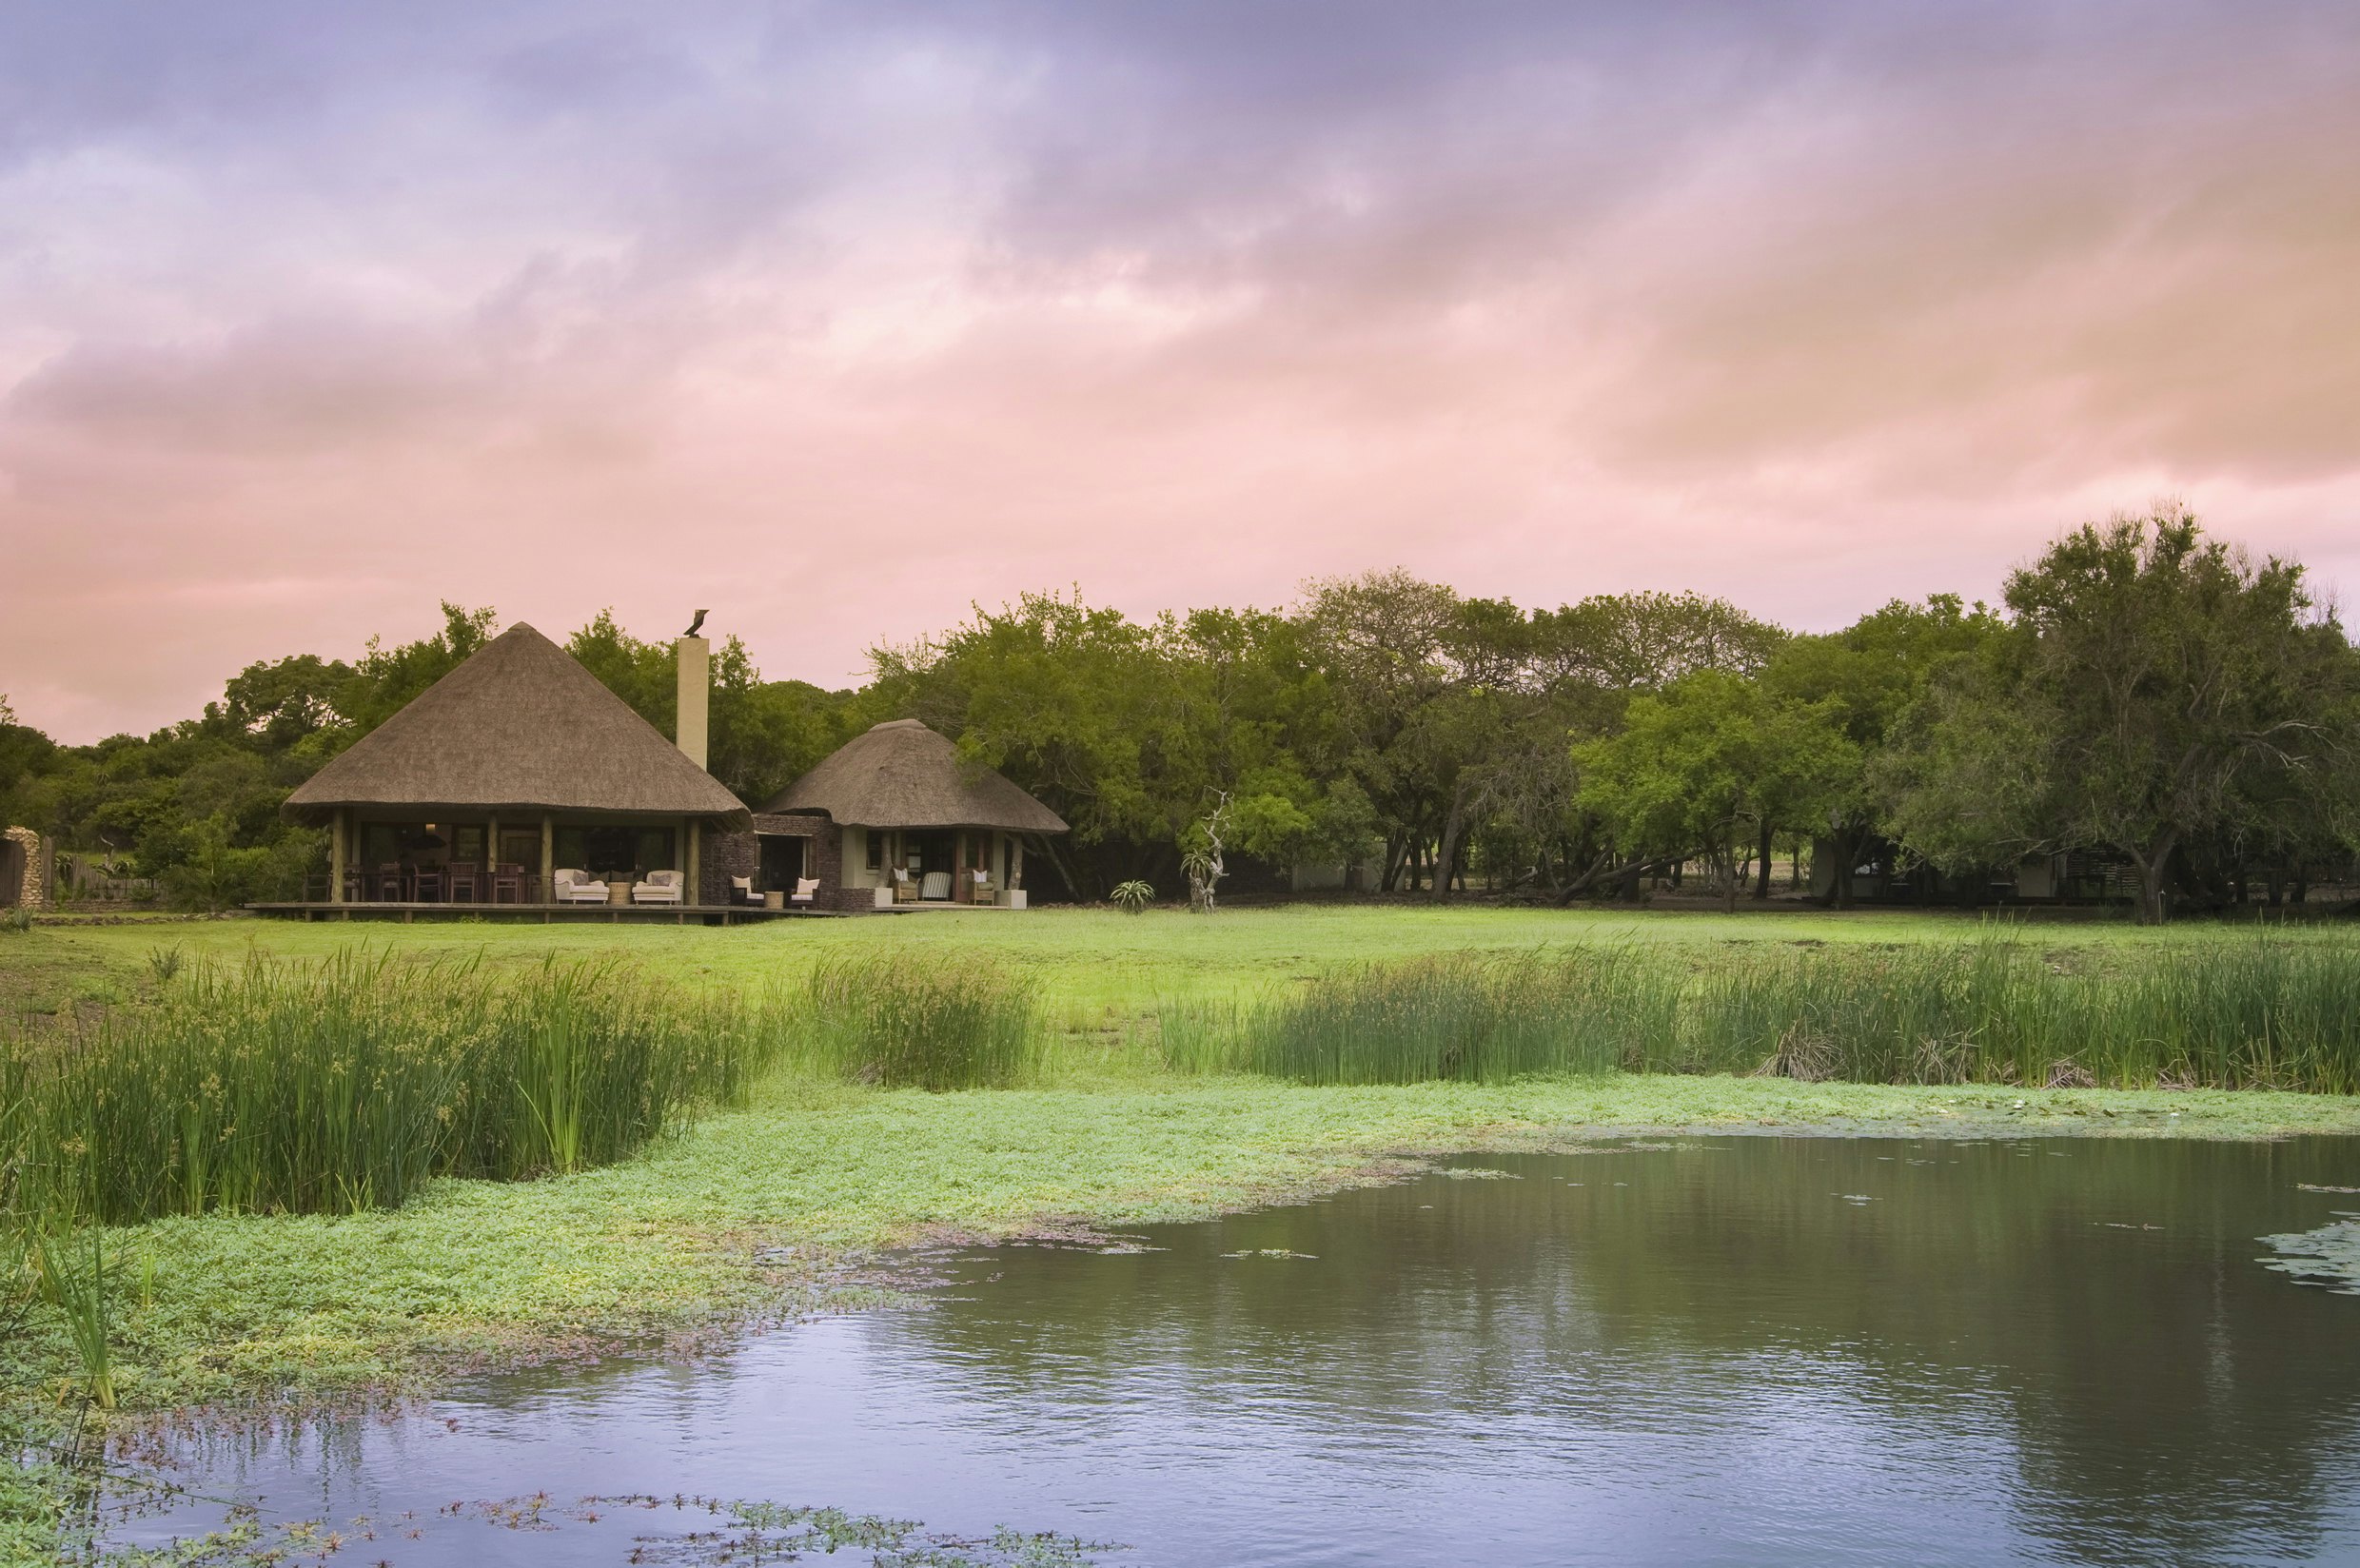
(698,622)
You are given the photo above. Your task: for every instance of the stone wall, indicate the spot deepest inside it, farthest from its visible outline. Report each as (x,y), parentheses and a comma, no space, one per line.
(32,863)
(725,855)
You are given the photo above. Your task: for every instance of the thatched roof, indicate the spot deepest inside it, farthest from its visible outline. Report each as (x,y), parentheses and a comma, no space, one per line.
(520,727)
(903,775)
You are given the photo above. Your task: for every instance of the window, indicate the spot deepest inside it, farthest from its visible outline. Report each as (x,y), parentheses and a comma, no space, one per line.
(876,838)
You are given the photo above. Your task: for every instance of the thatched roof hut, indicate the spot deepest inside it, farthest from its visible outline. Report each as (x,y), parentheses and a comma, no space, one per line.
(903,775)
(518,728)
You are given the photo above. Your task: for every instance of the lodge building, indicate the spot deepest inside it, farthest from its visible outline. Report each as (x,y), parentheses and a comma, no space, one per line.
(518,785)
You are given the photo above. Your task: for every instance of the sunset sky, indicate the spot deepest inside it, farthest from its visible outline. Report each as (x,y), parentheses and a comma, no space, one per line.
(835,319)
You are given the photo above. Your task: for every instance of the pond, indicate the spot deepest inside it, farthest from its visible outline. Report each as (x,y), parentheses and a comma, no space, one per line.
(1728,1350)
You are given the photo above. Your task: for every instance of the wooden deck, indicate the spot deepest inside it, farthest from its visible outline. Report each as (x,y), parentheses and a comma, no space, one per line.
(702,914)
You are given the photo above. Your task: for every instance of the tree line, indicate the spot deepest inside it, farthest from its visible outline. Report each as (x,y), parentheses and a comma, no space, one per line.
(2144,694)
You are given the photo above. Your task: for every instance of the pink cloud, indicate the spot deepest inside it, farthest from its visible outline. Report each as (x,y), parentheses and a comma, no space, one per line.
(837,331)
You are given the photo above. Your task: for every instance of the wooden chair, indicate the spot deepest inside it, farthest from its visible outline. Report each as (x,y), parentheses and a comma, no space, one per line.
(428,885)
(356,885)
(509,884)
(465,884)
(387,882)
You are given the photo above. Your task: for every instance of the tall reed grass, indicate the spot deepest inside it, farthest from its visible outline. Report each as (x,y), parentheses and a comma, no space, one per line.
(2248,1012)
(346,1085)
(934,1020)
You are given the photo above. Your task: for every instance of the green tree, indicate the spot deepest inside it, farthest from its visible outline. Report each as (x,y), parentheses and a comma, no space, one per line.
(1699,768)
(2155,688)
(1871,673)
(759,735)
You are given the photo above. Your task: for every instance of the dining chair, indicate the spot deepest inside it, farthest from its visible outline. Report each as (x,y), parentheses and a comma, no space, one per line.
(465,884)
(509,884)
(388,881)
(428,885)
(356,885)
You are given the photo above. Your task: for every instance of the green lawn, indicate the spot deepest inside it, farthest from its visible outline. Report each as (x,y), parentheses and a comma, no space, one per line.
(1095,966)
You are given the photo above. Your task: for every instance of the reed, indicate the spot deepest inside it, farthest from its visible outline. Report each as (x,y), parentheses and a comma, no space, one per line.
(81,1298)
(346,1085)
(2248,1012)
(932,1020)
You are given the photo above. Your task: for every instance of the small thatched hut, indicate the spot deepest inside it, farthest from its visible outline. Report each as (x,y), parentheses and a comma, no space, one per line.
(894,816)
(514,765)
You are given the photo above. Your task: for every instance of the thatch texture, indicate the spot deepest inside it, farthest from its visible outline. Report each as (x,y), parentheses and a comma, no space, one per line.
(903,775)
(521,727)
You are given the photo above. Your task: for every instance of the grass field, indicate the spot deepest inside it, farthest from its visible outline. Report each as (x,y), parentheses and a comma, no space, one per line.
(1096,967)
(771,1206)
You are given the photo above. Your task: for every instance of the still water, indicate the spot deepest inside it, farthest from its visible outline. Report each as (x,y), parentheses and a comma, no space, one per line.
(1740,1350)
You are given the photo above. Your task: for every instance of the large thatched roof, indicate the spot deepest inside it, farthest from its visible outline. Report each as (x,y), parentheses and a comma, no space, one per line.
(519,727)
(903,775)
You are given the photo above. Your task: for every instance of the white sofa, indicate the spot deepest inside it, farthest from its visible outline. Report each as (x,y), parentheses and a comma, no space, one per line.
(659,888)
(568,886)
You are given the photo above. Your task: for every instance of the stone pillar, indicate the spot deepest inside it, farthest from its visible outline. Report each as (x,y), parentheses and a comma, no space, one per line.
(692,893)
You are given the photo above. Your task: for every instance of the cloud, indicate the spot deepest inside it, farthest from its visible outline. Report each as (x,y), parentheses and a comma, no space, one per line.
(846,317)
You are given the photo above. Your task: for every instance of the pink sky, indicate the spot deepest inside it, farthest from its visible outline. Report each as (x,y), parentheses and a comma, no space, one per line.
(836,319)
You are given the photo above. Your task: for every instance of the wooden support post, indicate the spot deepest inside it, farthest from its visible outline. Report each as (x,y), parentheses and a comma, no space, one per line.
(548,857)
(689,893)
(336,854)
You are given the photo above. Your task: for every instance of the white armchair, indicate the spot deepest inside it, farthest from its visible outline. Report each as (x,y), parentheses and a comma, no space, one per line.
(742,890)
(806,890)
(568,886)
(659,888)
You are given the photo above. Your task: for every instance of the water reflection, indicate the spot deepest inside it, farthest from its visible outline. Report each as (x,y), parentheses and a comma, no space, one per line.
(1735,1350)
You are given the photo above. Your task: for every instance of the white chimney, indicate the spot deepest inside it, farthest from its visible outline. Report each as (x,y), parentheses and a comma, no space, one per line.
(693,656)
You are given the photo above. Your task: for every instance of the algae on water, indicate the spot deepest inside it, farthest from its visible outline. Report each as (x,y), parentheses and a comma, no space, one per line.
(2328,1256)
